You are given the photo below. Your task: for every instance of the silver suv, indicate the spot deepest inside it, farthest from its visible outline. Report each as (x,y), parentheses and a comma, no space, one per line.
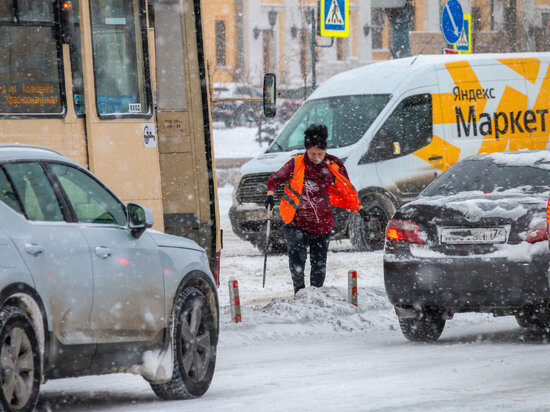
(86,287)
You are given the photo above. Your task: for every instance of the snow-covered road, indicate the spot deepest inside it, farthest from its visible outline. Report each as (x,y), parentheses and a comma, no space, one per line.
(317,352)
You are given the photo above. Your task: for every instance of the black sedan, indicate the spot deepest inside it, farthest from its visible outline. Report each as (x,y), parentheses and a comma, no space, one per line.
(475,240)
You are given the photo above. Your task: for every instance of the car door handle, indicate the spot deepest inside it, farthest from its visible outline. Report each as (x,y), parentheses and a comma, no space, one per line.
(34,249)
(435,158)
(103,252)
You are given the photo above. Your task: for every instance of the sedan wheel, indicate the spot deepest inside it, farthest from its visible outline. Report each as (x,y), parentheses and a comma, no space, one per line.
(426,326)
(20,361)
(194,340)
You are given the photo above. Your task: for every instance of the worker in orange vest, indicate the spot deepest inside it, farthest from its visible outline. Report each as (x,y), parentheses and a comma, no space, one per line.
(315,182)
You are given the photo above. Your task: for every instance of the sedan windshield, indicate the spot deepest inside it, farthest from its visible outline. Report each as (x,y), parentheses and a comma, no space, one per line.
(346,117)
(485,175)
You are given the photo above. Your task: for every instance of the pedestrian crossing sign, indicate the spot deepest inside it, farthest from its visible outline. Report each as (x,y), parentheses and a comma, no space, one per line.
(464,43)
(334,16)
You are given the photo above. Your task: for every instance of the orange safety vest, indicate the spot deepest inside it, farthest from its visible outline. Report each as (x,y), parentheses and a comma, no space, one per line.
(342,193)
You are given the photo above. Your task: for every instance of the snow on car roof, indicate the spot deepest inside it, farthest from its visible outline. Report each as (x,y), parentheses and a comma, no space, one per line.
(384,77)
(536,158)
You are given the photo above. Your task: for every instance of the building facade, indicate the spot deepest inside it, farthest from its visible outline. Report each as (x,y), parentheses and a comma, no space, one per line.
(246,38)
(497,26)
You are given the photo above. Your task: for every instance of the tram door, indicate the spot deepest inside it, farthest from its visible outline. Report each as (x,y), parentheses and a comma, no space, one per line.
(183,118)
(114,95)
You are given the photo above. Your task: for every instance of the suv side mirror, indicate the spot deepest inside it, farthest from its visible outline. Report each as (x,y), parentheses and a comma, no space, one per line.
(139,219)
(270,95)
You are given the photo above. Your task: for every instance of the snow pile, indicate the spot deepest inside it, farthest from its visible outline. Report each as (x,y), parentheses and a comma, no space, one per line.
(312,311)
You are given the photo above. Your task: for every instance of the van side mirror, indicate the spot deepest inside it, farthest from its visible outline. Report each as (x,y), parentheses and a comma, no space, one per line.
(270,95)
(139,219)
(67,22)
(383,147)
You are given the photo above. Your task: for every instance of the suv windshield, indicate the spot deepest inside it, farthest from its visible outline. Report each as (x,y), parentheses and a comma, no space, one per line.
(347,118)
(486,176)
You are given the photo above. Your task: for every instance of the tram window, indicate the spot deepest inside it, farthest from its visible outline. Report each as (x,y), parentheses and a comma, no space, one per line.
(30,81)
(35,10)
(120,65)
(169,49)
(6,10)
(76,64)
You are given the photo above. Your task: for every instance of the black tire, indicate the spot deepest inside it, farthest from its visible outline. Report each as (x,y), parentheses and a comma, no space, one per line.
(425,327)
(534,318)
(371,236)
(20,369)
(191,376)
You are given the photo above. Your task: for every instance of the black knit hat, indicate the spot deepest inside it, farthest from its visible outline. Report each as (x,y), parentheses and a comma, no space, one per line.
(316,136)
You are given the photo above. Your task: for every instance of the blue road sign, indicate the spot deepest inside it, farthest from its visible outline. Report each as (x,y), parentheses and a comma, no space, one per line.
(334,18)
(452,21)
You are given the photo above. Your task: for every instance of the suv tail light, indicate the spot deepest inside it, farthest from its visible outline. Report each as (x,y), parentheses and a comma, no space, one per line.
(405,231)
(538,231)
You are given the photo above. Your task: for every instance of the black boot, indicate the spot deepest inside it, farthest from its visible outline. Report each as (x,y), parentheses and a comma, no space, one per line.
(297,287)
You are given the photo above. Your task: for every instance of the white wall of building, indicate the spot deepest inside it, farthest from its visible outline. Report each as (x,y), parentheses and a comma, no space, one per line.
(293,14)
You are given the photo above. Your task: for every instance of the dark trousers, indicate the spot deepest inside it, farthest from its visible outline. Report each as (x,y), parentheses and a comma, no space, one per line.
(297,241)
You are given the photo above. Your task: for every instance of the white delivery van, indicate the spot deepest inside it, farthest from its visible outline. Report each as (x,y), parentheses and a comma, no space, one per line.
(398,125)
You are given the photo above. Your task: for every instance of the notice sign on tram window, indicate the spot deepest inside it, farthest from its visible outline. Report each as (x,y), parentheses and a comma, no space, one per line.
(23,98)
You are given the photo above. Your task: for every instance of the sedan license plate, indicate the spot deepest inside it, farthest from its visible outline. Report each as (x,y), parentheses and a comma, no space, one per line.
(475,236)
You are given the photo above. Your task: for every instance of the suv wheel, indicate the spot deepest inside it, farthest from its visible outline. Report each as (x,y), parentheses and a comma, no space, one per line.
(371,235)
(424,327)
(20,361)
(194,344)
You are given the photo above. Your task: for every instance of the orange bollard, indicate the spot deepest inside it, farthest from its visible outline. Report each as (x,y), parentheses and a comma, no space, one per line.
(352,287)
(235,301)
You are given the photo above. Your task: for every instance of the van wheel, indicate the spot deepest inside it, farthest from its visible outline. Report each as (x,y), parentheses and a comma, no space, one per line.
(424,327)
(371,235)
(194,338)
(533,318)
(20,361)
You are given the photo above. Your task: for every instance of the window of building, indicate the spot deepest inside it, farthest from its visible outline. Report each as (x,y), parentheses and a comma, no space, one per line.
(378,18)
(221,45)
(121,68)
(30,69)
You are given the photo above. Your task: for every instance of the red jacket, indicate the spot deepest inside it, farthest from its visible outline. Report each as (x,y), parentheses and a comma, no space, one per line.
(314,213)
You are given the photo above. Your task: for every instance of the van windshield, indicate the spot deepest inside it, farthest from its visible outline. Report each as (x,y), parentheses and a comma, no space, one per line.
(346,117)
